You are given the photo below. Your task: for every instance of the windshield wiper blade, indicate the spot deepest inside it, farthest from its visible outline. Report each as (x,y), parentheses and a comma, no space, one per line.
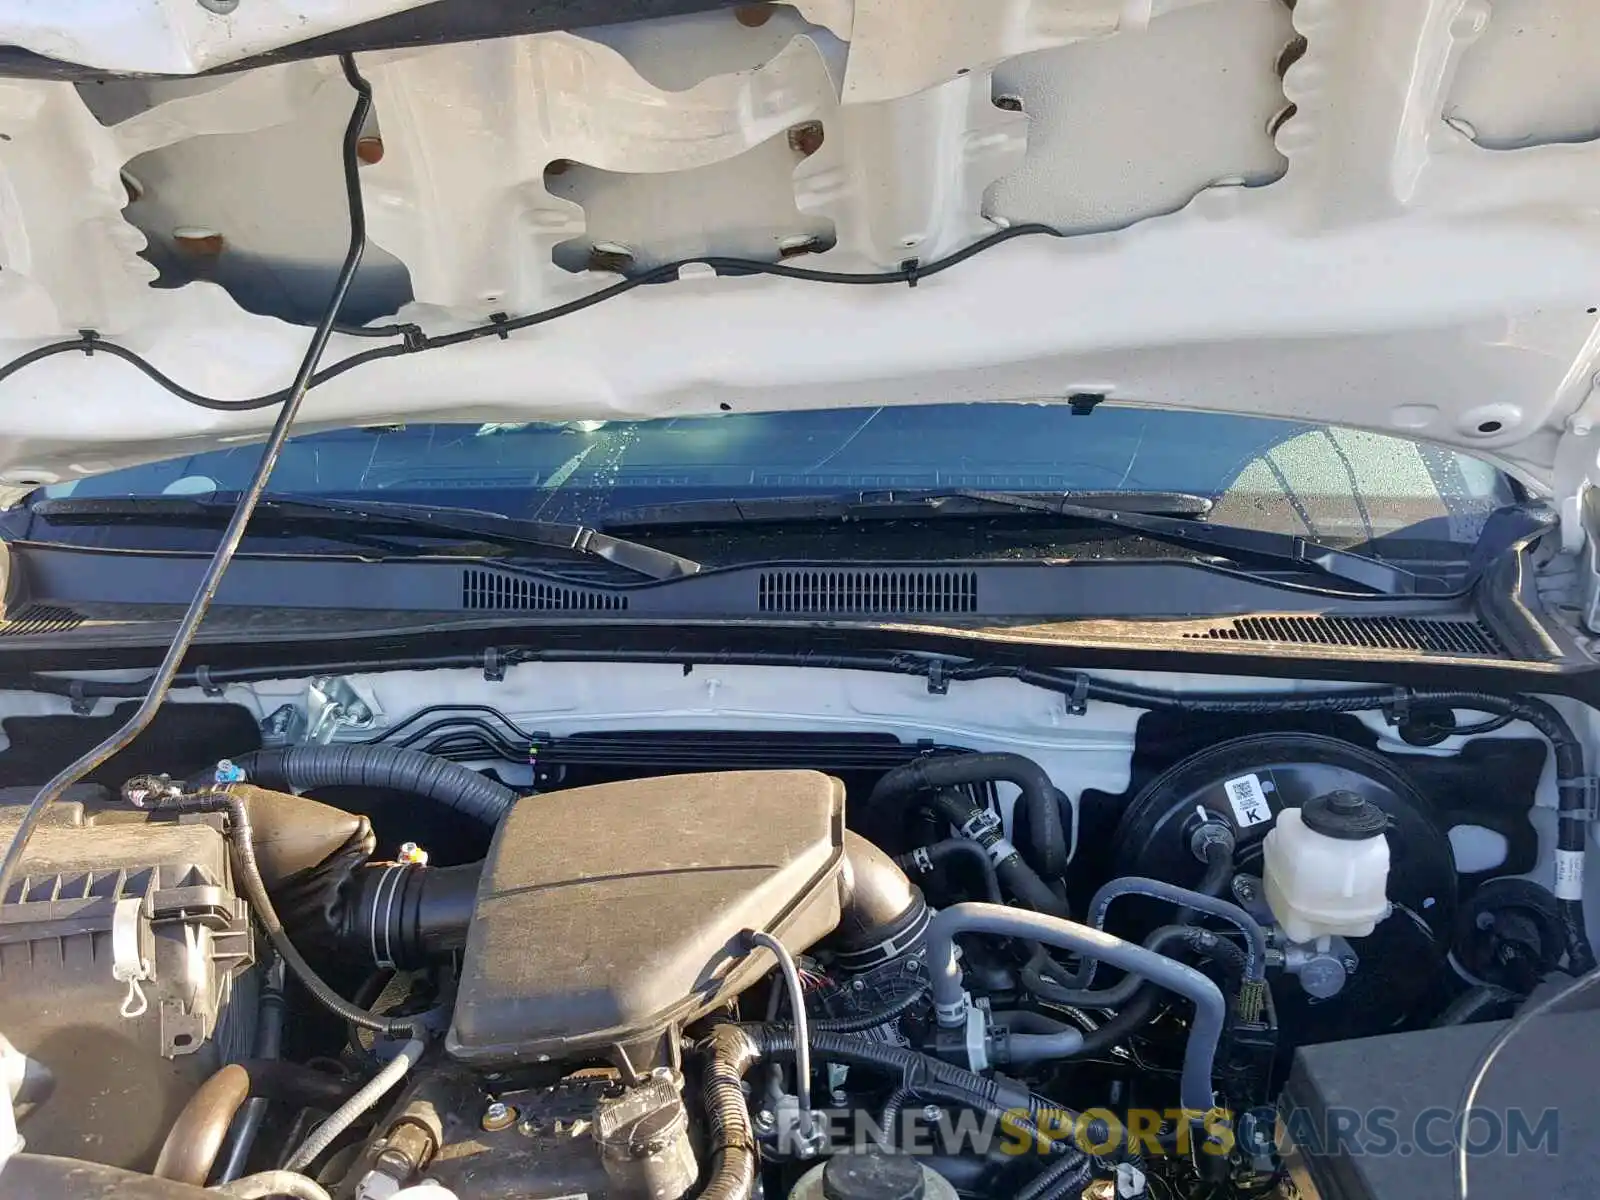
(910,504)
(313,515)
(1363,570)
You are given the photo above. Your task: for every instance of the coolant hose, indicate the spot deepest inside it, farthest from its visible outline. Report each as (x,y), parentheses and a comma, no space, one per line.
(1210,1010)
(926,859)
(393,768)
(1201,941)
(351,1110)
(1045,846)
(983,827)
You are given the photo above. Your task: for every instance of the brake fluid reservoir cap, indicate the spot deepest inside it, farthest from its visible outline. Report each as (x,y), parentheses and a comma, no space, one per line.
(1343,815)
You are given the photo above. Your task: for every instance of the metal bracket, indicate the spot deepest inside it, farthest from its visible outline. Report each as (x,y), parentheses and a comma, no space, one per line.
(82,702)
(494,665)
(333,704)
(938,681)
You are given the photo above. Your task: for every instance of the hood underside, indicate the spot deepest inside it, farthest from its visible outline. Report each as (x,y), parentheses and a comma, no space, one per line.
(1380,213)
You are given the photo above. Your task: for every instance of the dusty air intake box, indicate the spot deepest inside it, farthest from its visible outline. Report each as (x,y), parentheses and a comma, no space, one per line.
(101,891)
(607,914)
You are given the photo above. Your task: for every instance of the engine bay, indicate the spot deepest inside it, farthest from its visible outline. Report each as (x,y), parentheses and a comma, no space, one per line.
(627,930)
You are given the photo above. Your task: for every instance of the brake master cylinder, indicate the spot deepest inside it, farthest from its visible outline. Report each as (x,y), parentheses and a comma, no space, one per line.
(1326,868)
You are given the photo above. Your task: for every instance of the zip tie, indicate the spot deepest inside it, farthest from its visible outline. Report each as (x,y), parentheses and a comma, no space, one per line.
(910,267)
(128,965)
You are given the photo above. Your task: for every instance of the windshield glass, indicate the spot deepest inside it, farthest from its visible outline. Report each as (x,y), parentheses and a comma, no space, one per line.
(1335,485)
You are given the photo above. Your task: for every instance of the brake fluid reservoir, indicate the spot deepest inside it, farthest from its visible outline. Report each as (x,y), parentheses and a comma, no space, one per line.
(1326,867)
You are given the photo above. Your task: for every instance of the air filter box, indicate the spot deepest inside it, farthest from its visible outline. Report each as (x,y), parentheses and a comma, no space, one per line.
(607,914)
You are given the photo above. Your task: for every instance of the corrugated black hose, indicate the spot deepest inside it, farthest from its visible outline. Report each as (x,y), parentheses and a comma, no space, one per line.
(303,768)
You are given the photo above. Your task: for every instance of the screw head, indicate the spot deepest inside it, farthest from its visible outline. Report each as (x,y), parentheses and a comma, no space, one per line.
(221,7)
(931,1112)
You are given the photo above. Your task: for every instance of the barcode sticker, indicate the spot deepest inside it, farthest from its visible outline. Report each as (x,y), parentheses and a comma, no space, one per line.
(1249,802)
(1569,875)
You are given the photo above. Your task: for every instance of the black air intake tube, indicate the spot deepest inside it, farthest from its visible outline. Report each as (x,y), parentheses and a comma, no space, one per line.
(403,915)
(302,768)
(884,914)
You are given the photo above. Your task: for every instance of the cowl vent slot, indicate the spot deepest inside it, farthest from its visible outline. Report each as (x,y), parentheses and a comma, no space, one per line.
(483,590)
(842,590)
(40,618)
(1416,635)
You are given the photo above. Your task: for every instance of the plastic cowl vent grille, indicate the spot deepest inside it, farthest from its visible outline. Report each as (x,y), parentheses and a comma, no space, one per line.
(1412,634)
(837,590)
(40,618)
(491,590)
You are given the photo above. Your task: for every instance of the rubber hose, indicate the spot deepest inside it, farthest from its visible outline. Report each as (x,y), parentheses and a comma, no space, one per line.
(350,1111)
(941,852)
(273,1183)
(269,1045)
(966,814)
(1141,1009)
(1219,869)
(196,1135)
(1021,1049)
(1135,885)
(1061,1180)
(1117,994)
(393,768)
(1046,843)
(1210,1010)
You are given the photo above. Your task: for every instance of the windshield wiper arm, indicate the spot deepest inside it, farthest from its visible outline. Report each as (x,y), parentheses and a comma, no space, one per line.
(909,504)
(1304,553)
(319,515)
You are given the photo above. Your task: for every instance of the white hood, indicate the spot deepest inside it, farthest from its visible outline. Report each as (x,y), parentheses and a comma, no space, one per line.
(1397,228)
